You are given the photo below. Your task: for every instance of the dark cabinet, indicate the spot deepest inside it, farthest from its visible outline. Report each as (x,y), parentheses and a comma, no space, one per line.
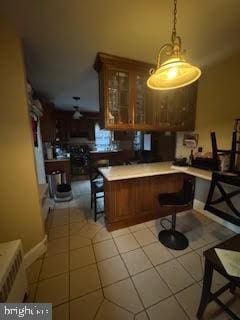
(62,125)
(79,128)
(126,103)
(67,127)
(174,110)
(48,122)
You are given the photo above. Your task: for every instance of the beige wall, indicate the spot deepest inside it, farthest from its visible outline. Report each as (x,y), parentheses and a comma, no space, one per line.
(20,212)
(218,104)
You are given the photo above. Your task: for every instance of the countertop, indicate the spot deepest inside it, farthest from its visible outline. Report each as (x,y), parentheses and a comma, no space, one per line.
(150,169)
(57,160)
(105,151)
(199,173)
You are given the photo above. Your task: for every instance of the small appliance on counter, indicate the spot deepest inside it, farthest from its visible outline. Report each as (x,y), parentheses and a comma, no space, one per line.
(203,163)
(181,162)
(60,152)
(49,151)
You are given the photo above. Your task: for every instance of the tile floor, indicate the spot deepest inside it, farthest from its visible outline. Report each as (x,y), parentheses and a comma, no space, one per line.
(89,273)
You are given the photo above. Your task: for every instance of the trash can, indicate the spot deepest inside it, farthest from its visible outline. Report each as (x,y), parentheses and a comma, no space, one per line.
(54,179)
(63,193)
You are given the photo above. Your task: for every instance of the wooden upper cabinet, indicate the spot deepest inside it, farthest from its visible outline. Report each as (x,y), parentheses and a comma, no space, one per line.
(48,122)
(126,103)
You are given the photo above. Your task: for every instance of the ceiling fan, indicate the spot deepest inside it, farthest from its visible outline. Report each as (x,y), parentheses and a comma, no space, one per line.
(77,114)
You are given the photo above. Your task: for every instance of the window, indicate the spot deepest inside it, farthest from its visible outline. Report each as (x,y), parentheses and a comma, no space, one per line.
(103,138)
(137,140)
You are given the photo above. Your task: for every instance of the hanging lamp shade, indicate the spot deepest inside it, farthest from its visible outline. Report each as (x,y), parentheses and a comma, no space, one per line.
(76,114)
(174,72)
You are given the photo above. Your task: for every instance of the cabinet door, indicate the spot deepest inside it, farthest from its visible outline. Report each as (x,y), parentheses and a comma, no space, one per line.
(119,200)
(118,112)
(62,129)
(79,128)
(143,103)
(144,200)
(187,108)
(175,109)
(48,123)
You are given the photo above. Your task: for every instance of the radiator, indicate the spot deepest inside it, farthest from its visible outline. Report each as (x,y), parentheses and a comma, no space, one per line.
(13,281)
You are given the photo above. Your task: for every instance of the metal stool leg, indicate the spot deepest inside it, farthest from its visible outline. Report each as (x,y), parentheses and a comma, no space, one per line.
(173,239)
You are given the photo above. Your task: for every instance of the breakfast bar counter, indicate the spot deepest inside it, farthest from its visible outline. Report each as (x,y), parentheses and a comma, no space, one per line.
(150,169)
(131,191)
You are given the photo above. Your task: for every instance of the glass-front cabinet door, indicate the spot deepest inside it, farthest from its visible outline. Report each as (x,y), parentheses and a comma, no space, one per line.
(143,116)
(119,99)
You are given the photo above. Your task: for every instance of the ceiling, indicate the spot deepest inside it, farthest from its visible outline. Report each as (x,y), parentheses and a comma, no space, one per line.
(62,37)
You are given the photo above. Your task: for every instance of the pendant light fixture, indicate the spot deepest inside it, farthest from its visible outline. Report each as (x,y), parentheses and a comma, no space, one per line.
(77,114)
(174,72)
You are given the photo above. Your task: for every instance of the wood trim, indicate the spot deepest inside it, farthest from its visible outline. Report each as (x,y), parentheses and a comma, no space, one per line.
(105,58)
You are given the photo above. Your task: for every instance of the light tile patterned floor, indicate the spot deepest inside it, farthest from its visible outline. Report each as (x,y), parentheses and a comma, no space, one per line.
(89,273)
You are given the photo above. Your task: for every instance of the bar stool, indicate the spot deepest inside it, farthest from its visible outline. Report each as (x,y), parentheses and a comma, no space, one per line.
(96,183)
(172,238)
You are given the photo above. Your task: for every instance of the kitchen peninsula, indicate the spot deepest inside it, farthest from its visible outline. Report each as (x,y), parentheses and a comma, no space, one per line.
(131,192)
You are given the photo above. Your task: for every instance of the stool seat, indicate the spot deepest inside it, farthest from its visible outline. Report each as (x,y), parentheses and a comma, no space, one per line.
(171,199)
(98,186)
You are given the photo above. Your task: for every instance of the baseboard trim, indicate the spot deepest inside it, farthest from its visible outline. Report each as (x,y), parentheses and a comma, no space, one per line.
(199,206)
(36,252)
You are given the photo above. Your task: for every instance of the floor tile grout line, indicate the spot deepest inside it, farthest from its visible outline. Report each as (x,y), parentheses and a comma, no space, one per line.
(37,282)
(56,254)
(77,297)
(181,307)
(194,281)
(137,314)
(100,280)
(119,306)
(178,259)
(192,249)
(41,267)
(168,284)
(174,257)
(175,293)
(141,245)
(98,309)
(172,295)
(108,258)
(140,299)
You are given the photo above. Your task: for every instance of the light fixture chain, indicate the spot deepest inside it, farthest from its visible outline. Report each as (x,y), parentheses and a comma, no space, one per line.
(175,18)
